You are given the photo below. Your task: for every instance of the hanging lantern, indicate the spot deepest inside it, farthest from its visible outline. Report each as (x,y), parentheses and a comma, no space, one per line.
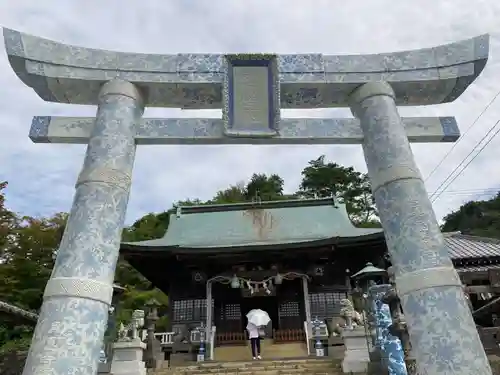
(278,279)
(235,282)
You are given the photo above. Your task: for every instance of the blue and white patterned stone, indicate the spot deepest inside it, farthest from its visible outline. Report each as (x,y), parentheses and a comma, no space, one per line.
(390,346)
(205,131)
(68,74)
(68,336)
(432,299)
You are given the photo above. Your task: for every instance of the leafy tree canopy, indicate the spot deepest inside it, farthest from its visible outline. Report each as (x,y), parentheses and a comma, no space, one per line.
(478,218)
(324,179)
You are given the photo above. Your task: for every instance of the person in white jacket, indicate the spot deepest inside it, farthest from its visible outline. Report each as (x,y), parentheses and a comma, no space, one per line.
(254,335)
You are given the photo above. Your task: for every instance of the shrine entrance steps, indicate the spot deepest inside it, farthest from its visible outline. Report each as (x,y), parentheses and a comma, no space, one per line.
(310,366)
(269,350)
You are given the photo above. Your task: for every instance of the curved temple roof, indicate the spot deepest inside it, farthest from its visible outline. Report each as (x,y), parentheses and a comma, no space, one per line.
(68,74)
(254,225)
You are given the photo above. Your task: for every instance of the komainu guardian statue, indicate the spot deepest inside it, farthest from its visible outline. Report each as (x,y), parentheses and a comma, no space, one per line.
(131,330)
(349,318)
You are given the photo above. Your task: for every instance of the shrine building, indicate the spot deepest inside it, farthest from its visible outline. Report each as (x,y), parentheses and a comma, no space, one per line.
(293,259)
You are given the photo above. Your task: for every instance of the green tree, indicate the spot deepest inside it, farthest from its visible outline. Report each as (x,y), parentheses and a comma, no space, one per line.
(8,224)
(479,218)
(323,179)
(27,247)
(264,188)
(29,259)
(233,194)
(147,227)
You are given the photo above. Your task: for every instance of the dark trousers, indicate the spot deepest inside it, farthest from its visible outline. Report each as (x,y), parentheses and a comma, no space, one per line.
(255,343)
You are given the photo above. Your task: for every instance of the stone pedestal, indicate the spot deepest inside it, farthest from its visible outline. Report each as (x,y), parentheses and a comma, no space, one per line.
(127,358)
(356,357)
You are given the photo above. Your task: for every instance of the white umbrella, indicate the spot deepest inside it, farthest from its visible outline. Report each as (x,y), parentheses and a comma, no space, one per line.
(258,317)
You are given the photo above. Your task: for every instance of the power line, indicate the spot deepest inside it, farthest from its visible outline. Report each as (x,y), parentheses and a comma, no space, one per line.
(447,180)
(469,192)
(462,137)
(450,175)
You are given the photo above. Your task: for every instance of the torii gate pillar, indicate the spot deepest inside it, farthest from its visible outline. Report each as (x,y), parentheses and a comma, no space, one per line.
(250,89)
(430,289)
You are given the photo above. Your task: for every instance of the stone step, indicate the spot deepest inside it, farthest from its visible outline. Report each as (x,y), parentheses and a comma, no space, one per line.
(271,372)
(246,371)
(261,367)
(266,362)
(226,370)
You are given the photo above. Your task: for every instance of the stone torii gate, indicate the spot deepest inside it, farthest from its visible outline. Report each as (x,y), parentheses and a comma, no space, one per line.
(251,89)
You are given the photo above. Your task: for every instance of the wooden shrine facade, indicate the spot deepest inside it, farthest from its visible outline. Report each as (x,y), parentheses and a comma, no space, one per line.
(311,244)
(205,247)
(286,307)
(303,294)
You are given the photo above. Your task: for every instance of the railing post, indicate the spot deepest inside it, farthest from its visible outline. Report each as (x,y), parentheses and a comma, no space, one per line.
(213,331)
(307,304)
(208,323)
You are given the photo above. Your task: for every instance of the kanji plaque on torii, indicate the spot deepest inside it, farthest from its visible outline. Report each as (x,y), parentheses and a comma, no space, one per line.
(251,98)
(250,89)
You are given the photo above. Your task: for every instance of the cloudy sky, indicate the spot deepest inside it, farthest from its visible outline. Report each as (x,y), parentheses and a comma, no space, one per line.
(41,177)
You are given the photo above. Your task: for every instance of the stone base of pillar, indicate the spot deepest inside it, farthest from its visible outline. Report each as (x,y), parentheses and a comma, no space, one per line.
(411,366)
(127,358)
(104,368)
(356,357)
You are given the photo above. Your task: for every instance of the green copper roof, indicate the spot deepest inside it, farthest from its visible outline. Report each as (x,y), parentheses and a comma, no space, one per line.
(257,224)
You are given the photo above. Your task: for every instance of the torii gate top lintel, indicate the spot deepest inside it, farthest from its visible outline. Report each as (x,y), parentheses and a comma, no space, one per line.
(67,74)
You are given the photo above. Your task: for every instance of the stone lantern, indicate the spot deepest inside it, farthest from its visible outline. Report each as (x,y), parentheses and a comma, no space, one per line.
(358,354)
(153,355)
(369,275)
(364,279)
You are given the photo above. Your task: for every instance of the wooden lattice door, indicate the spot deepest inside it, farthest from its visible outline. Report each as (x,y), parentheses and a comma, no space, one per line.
(228,317)
(325,305)
(289,315)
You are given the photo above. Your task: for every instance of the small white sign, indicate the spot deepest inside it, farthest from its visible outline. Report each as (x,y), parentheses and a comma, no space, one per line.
(200,358)
(320,352)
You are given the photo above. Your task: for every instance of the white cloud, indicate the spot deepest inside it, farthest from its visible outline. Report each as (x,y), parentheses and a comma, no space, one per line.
(41,176)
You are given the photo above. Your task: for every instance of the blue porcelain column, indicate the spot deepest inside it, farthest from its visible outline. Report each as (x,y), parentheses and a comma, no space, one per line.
(390,346)
(69,334)
(440,324)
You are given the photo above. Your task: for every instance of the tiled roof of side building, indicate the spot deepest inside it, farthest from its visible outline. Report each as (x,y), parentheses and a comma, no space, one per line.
(477,268)
(462,246)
